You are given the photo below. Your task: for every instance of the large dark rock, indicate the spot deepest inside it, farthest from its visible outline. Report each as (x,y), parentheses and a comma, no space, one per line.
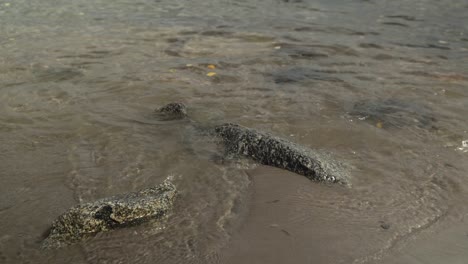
(87,219)
(274,151)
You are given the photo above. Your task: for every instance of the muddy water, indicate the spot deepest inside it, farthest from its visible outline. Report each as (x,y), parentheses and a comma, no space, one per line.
(379,85)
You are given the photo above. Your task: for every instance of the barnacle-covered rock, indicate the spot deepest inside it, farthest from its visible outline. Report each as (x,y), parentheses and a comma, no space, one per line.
(270,150)
(172,111)
(87,219)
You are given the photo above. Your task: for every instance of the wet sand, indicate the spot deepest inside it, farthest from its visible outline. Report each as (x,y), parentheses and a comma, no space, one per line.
(445,244)
(288,224)
(291,222)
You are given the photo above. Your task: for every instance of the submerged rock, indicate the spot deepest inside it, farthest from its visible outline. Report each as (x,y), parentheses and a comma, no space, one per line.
(173,111)
(87,219)
(301,74)
(274,151)
(393,113)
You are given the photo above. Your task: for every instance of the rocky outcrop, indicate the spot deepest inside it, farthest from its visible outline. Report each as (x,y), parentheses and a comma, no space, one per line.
(87,219)
(270,150)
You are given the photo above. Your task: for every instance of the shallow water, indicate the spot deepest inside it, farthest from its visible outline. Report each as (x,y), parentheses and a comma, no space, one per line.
(379,85)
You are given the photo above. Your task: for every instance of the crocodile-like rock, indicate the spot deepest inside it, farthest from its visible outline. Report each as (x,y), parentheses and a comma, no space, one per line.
(118,211)
(274,151)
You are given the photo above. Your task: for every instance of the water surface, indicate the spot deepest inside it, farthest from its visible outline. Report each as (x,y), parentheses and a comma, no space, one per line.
(379,85)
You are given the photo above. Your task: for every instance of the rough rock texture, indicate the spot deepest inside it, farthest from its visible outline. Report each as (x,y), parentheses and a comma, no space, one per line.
(173,111)
(84,220)
(274,151)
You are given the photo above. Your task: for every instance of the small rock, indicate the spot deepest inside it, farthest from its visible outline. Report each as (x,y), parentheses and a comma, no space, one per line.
(285,232)
(385,226)
(173,111)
